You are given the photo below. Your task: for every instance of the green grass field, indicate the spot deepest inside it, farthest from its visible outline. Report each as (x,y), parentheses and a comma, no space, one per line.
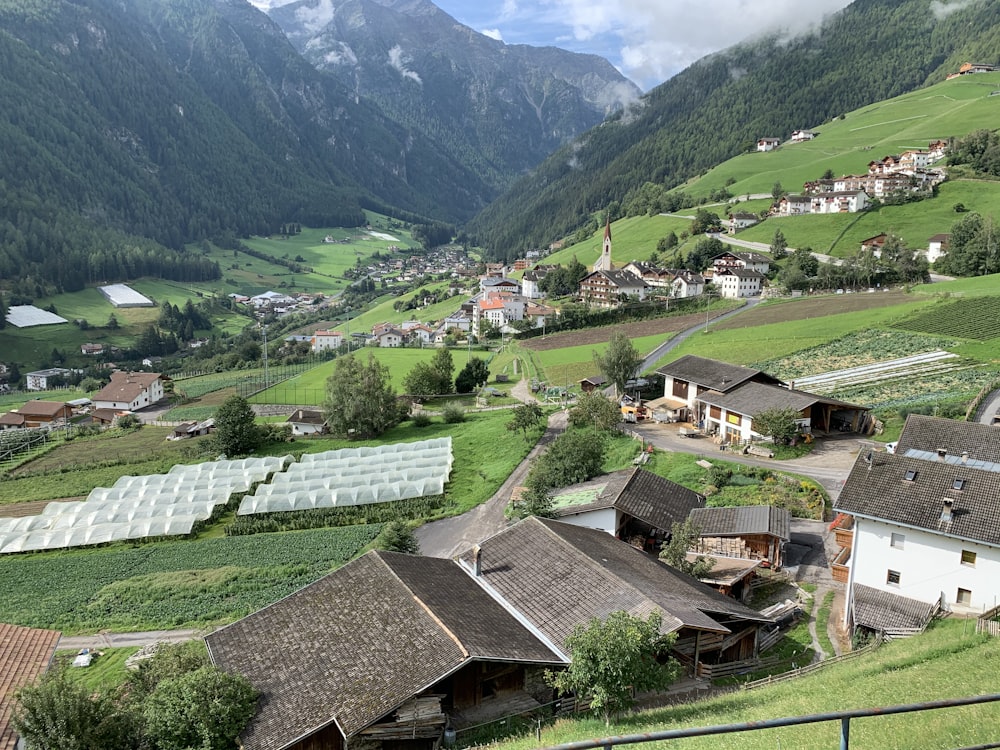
(572,364)
(948,661)
(310,386)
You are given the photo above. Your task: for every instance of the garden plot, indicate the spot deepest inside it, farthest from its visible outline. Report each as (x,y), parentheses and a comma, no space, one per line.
(917,364)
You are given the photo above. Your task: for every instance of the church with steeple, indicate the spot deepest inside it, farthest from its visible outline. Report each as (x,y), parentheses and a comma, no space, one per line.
(604,262)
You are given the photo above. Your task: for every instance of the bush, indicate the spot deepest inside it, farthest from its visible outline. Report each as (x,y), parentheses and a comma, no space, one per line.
(453,414)
(421,420)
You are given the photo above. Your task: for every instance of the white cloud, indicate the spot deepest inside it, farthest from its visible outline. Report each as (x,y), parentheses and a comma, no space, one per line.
(315,18)
(945,9)
(398,60)
(492,34)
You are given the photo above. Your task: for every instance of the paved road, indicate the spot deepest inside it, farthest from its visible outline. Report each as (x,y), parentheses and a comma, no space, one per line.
(104,640)
(677,338)
(452,536)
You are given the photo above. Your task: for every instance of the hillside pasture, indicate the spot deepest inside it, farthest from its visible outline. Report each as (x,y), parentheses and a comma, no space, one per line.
(842,234)
(632,238)
(845,146)
(568,365)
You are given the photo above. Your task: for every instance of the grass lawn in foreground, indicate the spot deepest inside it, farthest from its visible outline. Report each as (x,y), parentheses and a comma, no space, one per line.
(948,661)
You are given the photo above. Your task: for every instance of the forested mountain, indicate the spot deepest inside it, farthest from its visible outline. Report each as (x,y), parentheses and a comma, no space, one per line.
(872,50)
(499,109)
(130,129)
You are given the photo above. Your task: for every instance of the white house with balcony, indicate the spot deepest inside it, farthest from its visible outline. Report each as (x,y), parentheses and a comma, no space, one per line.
(926,524)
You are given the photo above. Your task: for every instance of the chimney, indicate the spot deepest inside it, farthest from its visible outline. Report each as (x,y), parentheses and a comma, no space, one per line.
(965,457)
(477,561)
(946,510)
(942,453)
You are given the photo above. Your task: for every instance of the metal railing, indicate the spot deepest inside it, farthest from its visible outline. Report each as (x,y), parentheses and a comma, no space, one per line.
(844,717)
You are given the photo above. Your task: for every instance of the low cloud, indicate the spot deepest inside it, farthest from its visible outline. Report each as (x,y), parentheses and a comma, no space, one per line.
(945,9)
(398,60)
(315,18)
(492,34)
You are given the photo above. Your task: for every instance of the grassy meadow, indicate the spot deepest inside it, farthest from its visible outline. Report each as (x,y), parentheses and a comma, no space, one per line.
(948,661)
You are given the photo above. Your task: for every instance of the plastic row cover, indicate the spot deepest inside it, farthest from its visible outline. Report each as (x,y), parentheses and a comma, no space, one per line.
(341,497)
(48,539)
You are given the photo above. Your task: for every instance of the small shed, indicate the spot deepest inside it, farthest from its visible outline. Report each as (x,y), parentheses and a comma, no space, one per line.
(307,422)
(757,532)
(592,383)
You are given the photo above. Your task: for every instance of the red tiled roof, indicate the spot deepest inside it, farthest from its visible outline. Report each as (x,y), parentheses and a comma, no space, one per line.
(25,654)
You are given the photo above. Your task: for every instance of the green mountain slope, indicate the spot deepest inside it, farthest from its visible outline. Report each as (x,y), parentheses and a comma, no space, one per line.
(716,108)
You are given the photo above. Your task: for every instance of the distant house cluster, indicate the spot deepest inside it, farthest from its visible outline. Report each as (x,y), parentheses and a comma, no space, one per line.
(909,171)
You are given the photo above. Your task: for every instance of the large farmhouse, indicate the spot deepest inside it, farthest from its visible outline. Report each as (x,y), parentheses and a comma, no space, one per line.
(722,398)
(130,391)
(926,525)
(385,652)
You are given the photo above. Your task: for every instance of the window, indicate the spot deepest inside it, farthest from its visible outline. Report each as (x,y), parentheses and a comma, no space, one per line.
(964,597)
(958,484)
(892,578)
(897,540)
(910,475)
(969,558)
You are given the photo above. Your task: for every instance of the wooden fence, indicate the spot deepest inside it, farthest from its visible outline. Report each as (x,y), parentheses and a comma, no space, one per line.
(815,667)
(989,622)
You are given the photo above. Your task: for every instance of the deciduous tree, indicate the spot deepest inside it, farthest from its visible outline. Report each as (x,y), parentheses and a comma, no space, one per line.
(674,553)
(615,658)
(595,410)
(204,709)
(360,400)
(474,375)
(620,362)
(524,417)
(779,424)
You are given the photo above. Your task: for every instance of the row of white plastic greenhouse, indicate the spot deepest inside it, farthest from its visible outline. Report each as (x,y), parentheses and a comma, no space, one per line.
(167,504)
(78,536)
(139,506)
(356,476)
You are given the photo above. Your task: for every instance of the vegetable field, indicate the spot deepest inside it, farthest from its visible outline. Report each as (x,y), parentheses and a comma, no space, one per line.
(970,317)
(170,584)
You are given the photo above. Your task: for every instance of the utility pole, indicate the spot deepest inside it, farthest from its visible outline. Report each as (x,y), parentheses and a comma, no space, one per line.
(267,382)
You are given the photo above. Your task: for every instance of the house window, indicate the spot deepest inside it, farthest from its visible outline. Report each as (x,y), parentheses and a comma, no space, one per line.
(892,578)
(964,598)
(969,558)
(897,541)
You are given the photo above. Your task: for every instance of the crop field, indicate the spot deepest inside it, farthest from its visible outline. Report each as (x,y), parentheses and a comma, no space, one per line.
(971,318)
(886,386)
(777,330)
(972,287)
(170,584)
(861,347)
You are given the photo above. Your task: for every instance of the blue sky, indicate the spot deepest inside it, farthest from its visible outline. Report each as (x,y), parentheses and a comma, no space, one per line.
(647,40)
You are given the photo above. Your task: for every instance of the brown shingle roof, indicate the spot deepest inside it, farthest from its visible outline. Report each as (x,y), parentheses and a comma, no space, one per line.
(881,610)
(878,488)
(358,643)
(35,408)
(306,416)
(25,654)
(751,398)
(559,575)
(980,441)
(12,418)
(713,374)
(743,520)
(639,493)
(126,386)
